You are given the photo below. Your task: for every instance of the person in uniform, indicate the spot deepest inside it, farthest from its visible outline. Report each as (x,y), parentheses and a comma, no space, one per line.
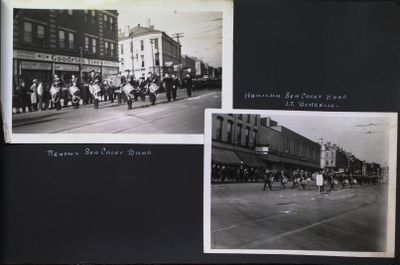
(95,79)
(283,179)
(167,85)
(267,179)
(33,94)
(152,80)
(176,84)
(188,84)
(75,94)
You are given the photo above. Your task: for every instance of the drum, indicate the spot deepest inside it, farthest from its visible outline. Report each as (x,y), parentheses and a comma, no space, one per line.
(153,87)
(128,88)
(115,81)
(73,90)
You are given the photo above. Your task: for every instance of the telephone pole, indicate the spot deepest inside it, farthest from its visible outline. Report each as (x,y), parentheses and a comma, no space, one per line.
(178,36)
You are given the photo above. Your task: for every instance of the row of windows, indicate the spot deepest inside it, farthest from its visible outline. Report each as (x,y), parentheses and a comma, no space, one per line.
(92,17)
(298,149)
(234,135)
(152,41)
(156,59)
(35,33)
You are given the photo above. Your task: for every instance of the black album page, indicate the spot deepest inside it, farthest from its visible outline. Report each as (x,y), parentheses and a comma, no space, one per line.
(199,132)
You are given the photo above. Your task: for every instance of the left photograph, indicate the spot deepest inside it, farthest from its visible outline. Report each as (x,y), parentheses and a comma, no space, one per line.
(132,70)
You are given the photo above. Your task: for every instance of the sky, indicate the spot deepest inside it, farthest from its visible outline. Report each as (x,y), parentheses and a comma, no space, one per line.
(366,137)
(202,31)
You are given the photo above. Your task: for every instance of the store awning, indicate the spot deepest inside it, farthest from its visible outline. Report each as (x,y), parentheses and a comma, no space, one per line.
(286,160)
(223,156)
(251,160)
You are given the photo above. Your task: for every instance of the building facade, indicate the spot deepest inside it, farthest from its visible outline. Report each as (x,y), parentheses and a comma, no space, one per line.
(48,42)
(145,49)
(333,157)
(279,146)
(189,65)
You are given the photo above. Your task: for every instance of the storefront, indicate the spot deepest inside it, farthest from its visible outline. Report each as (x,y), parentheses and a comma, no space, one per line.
(30,65)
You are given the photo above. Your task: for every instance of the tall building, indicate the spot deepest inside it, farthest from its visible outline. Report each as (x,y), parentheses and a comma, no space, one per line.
(279,146)
(65,42)
(189,65)
(143,49)
(234,138)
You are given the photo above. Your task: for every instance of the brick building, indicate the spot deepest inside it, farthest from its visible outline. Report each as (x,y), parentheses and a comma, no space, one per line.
(64,42)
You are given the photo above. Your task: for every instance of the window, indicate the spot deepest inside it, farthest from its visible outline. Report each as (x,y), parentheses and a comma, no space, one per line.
(122,49)
(87,41)
(229,132)
(93,16)
(240,116)
(27,32)
(111,23)
(254,138)
(247,137)
(156,44)
(94,46)
(248,118)
(70,12)
(40,35)
(219,129)
(61,39)
(106,48)
(112,49)
(157,58)
(71,40)
(239,135)
(86,15)
(141,45)
(131,43)
(122,60)
(255,120)
(142,59)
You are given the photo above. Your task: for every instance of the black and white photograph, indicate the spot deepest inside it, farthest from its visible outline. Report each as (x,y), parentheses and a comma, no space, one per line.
(137,69)
(291,182)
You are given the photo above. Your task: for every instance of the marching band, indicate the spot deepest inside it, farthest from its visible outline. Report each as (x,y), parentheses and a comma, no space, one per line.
(124,88)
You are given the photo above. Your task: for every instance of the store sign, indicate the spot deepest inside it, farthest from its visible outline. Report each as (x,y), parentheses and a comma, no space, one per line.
(28,55)
(35,65)
(110,71)
(262,150)
(88,68)
(169,64)
(66,67)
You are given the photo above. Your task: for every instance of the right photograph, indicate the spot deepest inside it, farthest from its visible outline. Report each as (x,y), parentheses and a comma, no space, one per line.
(302,183)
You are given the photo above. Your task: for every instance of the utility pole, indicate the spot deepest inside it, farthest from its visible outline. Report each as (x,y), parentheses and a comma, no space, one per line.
(132,57)
(178,36)
(152,54)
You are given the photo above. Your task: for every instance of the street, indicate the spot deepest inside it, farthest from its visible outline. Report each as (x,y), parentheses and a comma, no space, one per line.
(183,116)
(243,216)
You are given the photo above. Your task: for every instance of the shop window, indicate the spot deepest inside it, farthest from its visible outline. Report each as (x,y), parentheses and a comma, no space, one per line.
(254,138)
(40,35)
(71,40)
(248,118)
(229,132)
(247,133)
(61,39)
(94,46)
(240,116)
(255,119)
(27,32)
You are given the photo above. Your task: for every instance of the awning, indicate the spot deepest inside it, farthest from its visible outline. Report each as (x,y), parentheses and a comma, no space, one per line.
(251,160)
(222,156)
(278,159)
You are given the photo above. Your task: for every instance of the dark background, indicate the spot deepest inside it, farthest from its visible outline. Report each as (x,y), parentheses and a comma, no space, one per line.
(150,209)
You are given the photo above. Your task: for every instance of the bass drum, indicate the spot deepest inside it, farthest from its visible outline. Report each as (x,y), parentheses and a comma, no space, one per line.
(115,81)
(153,88)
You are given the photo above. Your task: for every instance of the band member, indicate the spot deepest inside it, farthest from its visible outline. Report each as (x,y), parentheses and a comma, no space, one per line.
(268,179)
(55,91)
(167,85)
(188,84)
(75,92)
(176,84)
(152,87)
(94,87)
(283,179)
(127,90)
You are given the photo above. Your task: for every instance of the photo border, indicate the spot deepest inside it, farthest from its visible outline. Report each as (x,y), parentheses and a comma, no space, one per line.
(7,6)
(391,213)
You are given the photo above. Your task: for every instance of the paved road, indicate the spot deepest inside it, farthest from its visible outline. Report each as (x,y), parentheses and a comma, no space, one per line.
(245,217)
(186,115)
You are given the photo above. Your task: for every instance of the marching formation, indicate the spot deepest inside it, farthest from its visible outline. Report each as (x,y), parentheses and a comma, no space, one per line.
(123,88)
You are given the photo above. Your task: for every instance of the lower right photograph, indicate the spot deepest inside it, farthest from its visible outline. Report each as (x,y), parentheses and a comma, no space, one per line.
(300,182)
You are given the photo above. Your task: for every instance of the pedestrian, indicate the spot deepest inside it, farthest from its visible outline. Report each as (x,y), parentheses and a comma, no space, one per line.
(188,84)
(319,181)
(267,179)
(303,180)
(331,181)
(283,179)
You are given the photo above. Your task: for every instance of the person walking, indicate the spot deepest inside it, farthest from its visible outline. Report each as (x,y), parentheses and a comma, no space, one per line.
(319,181)
(188,84)
(267,179)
